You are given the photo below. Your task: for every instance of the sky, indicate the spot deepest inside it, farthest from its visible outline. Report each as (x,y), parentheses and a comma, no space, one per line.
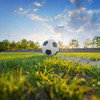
(40,20)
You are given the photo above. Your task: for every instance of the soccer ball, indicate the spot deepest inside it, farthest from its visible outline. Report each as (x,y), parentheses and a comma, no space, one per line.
(50,47)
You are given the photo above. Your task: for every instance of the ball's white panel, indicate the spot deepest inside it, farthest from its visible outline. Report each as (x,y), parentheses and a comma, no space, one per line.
(48,48)
(54,51)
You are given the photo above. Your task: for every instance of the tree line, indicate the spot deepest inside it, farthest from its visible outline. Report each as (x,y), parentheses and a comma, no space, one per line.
(88,43)
(24,44)
(20,45)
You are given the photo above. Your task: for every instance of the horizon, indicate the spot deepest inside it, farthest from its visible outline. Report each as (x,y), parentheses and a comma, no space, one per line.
(40,20)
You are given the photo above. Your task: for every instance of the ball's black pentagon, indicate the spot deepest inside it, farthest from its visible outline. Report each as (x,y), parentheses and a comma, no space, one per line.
(54,44)
(45,43)
(48,52)
(56,52)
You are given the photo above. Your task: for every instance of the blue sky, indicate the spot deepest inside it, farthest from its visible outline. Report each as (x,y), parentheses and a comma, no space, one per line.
(39,20)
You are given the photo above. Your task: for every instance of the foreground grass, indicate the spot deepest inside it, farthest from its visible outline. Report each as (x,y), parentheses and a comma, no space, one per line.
(28,76)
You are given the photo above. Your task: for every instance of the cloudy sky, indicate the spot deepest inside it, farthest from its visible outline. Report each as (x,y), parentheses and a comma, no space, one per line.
(39,20)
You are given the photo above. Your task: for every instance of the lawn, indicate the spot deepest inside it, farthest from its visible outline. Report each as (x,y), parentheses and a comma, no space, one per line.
(33,76)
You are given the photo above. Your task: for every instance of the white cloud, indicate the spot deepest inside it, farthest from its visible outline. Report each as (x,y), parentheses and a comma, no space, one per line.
(43,1)
(80,3)
(54,29)
(36,17)
(22,12)
(80,23)
(81,18)
(35,10)
(20,9)
(72,1)
(58,29)
(94,11)
(76,11)
(38,4)
(49,27)
(60,16)
(83,8)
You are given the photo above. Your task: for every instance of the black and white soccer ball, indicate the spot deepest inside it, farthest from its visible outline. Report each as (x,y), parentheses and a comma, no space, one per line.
(50,47)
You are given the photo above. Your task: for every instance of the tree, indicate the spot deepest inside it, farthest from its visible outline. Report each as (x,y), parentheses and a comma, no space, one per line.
(18,45)
(96,41)
(87,43)
(60,44)
(31,45)
(1,46)
(24,44)
(37,46)
(74,43)
(66,47)
(12,45)
(5,44)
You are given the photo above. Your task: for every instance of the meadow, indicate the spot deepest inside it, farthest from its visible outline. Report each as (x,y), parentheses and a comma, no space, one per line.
(33,76)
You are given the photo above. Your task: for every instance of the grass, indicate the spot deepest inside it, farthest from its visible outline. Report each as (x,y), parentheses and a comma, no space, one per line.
(30,76)
(92,55)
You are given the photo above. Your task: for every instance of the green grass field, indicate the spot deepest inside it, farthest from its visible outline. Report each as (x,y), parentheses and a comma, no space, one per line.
(33,76)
